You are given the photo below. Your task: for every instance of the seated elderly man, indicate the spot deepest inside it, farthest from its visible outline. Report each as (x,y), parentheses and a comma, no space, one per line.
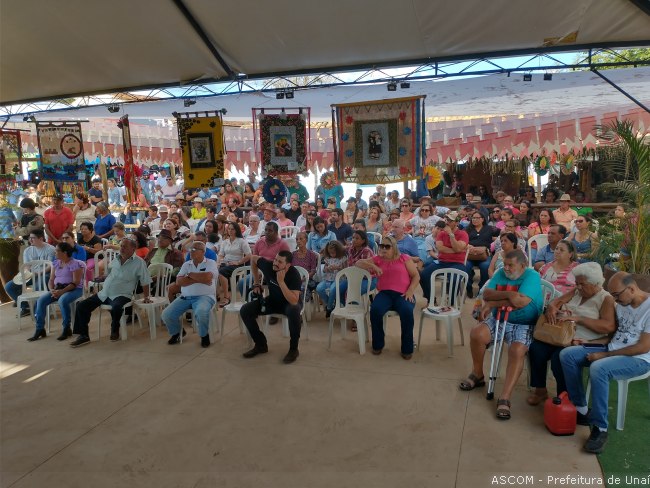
(527,302)
(197,280)
(627,355)
(125,272)
(547,254)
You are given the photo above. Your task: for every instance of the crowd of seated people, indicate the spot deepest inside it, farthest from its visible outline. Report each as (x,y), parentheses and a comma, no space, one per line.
(207,236)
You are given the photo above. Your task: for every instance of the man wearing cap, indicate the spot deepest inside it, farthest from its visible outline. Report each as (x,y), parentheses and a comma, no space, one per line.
(126,271)
(451,243)
(269,215)
(478,205)
(565,215)
(58,219)
(342,230)
(297,188)
(198,281)
(198,212)
(38,250)
(165,252)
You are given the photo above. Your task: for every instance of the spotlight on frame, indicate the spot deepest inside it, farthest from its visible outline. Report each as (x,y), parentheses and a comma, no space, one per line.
(188,102)
(392,86)
(279,95)
(289,94)
(405,85)
(548,76)
(528,77)
(113,108)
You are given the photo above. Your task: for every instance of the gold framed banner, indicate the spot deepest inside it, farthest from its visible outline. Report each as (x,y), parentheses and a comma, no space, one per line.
(202,144)
(379,141)
(62,151)
(10,150)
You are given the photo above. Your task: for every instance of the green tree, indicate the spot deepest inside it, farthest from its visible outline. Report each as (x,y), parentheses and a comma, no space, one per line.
(616,56)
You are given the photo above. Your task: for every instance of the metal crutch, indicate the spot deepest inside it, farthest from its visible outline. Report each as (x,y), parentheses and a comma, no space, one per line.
(499,337)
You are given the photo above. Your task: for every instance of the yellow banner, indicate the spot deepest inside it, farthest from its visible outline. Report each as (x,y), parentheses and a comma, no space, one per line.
(202,144)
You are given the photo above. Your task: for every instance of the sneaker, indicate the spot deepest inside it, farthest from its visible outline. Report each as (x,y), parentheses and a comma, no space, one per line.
(255,351)
(115,336)
(205,341)
(65,333)
(291,356)
(583,419)
(328,312)
(596,442)
(82,340)
(25,313)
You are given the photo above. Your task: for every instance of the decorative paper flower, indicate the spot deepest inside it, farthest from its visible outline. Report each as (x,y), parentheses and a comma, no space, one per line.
(407,131)
(348,170)
(349,153)
(402,116)
(345,136)
(349,120)
(402,151)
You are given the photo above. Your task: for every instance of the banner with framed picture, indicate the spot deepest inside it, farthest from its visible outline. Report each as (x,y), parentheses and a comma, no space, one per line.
(202,144)
(10,151)
(284,142)
(379,141)
(62,151)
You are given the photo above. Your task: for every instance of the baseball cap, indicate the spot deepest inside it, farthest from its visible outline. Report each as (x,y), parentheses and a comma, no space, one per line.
(453,215)
(163,208)
(198,200)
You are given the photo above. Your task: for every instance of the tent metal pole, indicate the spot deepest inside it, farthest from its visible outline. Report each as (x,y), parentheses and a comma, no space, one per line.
(621,90)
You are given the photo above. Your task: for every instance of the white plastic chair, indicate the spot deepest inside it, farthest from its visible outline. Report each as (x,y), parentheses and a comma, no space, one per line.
(356,305)
(541,240)
(40,270)
(377,237)
(291,242)
(73,305)
(162,274)
(452,292)
(107,256)
(289,232)
(622,397)
(237,301)
(549,292)
(304,278)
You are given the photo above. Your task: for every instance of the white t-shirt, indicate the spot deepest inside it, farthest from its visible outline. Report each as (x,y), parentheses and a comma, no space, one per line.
(233,251)
(199,289)
(631,323)
(422,227)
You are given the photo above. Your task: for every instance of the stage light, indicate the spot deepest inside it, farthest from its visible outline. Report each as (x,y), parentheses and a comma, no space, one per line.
(279,95)
(528,77)
(188,102)
(113,108)
(29,118)
(548,76)
(289,94)
(392,86)
(405,84)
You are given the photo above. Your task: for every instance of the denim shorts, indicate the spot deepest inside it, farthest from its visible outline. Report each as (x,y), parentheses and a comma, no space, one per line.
(522,333)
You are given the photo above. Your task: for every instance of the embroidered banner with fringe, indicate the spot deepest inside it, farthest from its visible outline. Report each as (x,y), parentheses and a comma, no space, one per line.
(62,151)
(202,144)
(129,165)
(379,141)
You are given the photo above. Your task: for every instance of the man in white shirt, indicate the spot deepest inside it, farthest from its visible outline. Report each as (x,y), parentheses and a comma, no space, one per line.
(38,250)
(197,278)
(627,355)
(170,189)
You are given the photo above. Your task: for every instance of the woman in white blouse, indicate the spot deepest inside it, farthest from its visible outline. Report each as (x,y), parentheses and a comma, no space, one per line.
(234,252)
(83,212)
(254,231)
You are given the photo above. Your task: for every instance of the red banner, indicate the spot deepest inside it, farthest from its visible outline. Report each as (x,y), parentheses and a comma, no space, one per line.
(129,166)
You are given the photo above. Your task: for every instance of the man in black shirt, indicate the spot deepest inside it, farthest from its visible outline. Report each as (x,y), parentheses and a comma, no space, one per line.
(284,298)
(342,230)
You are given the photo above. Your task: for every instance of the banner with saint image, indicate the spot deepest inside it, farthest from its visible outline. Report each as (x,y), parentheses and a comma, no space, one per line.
(379,141)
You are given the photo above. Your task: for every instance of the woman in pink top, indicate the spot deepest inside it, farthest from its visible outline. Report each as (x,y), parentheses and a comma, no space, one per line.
(559,271)
(397,280)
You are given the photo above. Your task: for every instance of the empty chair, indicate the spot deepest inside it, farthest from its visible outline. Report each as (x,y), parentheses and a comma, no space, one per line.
(449,300)
(356,305)
(161,275)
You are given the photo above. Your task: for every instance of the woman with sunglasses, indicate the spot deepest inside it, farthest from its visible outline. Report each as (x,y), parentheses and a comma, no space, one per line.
(495,217)
(585,241)
(397,279)
(405,212)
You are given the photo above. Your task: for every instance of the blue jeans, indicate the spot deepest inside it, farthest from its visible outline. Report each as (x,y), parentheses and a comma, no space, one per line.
(327,292)
(574,358)
(343,287)
(64,303)
(385,301)
(483,269)
(425,275)
(14,291)
(201,305)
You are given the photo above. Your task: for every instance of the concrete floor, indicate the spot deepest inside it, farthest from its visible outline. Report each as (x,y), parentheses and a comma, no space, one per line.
(142,413)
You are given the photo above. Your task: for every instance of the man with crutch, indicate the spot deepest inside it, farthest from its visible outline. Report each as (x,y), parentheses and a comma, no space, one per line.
(518,288)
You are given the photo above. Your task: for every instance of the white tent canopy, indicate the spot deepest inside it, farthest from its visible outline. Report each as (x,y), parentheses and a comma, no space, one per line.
(72,47)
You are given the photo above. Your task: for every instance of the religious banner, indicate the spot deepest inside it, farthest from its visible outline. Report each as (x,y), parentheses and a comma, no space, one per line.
(10,151)
(62,151)
(202,145)
(379,141)
(284,140)
(130,175)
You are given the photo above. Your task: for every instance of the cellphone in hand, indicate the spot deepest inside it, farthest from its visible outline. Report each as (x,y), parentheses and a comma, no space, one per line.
(589,345)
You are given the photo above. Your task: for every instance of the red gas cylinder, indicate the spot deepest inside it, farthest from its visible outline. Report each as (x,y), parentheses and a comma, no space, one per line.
(560,415)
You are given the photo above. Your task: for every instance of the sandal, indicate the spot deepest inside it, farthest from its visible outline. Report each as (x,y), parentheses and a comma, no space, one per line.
(472,382)
(503,409)
(224,302)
